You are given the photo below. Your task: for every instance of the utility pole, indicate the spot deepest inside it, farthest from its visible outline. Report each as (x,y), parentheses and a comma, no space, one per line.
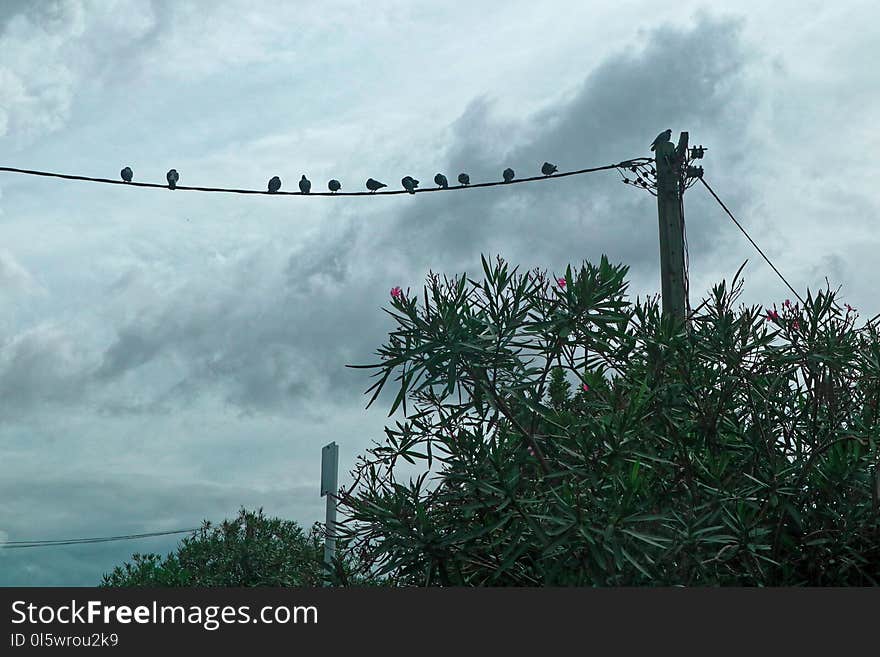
(329,489)
(671,171)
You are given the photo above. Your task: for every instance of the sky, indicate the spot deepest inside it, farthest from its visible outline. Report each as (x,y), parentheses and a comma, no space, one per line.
(168,357)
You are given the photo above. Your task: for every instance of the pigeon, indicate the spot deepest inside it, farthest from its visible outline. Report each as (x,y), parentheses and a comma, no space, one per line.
(508,174)
(548,169)
(274,184)
(172,177)
(666,135)
(334,186)
(441,181)
(126,174)
(464,179)
(304,185)
(373,185)
(409,184)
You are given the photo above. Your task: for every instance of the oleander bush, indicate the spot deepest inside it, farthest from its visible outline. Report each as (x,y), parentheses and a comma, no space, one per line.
(554,432)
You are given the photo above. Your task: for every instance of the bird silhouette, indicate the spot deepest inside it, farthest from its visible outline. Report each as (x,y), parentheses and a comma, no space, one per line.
(548,169)
(508,174)
(441,181)
(373,185)
(666,135)
(274,184)
(304,185)
(126,174)
(334,186)
(409,184)
(464,179)
(172,177)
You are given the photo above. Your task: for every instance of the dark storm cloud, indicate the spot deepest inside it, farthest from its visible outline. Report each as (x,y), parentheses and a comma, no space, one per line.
(273,349)
(281,349)
(687,79)
(42,365)
(130,350)
(11,8)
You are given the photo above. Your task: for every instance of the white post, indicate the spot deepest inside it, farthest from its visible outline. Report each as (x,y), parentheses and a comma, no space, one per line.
(329,488)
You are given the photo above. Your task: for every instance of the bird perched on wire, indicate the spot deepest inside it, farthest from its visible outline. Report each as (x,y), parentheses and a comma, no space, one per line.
(666,135)
(373,185)
(126,174)
(304,185)
(548,169)
(464,179)
(334,185)
(409,184)
(441,181)
(172,177)
(508,174)
(274,184)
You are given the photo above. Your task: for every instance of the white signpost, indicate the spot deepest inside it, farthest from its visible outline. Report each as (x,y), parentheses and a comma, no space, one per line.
(329,488)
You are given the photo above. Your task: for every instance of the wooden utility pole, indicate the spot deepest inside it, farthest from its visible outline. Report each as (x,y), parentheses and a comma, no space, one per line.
(670,162)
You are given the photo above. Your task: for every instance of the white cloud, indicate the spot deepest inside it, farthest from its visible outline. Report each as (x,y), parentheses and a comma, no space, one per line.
(53,50)
(15,279)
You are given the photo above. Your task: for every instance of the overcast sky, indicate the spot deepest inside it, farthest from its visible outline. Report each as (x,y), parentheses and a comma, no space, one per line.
(166,357)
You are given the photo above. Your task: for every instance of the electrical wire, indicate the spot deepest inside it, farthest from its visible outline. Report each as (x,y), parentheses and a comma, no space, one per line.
(12,545)
(110,181)
(645,174)
(729,214)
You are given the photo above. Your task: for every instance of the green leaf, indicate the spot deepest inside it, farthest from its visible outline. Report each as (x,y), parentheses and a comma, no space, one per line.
(656,541)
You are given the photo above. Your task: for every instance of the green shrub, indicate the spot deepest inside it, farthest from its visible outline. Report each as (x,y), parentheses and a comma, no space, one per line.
(561,434)
(251,550)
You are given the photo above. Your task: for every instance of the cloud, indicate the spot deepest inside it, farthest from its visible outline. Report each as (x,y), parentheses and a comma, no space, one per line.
(37,97)
(60,48)
(273,332)
(271,329)
(15,279)
(615,113)
(39,366)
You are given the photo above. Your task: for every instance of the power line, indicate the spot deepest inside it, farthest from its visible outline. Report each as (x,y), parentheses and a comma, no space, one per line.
(109,181)
(12,545)
(631,164)
(729,214)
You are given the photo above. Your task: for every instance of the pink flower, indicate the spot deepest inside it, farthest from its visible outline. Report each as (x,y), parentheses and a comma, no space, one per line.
(787,303)
(796,325)
(585,388)
(396,292)
(561,282)
(531,451)
(772,314)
